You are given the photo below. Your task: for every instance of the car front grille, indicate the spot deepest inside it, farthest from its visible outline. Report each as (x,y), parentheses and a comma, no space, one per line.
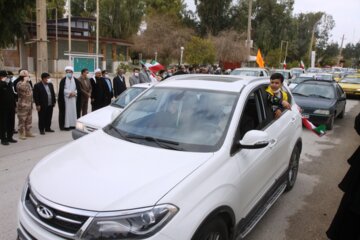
(61,223)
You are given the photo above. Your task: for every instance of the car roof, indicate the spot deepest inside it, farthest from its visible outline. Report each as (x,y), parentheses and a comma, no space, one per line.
(323,82)
(229,83)
(143,85)
(249,68)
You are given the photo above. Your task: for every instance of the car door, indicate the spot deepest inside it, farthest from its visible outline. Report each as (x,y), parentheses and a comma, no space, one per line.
(257,167)
(341,99)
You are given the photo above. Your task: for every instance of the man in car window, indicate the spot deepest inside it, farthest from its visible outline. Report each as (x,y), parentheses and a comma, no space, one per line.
(277,98)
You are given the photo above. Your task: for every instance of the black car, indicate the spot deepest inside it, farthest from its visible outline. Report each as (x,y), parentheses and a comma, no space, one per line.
(321,101)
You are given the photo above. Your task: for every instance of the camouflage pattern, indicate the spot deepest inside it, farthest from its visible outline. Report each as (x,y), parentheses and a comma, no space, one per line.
(24,107)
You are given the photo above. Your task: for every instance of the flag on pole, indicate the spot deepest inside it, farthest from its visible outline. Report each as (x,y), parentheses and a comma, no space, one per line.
(320,130)
(154,66)
(302,65)
(284,64)
(259,59)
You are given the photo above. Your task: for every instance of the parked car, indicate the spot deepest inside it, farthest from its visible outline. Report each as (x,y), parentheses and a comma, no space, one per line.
(298,80)
(253,72)
(194,157)
(351,85)
(321,101)
(103,116)
(295,72)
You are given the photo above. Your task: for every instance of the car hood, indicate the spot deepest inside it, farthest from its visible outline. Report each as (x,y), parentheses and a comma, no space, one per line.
(314,102)
(114,175)
(349,85)
(101,117)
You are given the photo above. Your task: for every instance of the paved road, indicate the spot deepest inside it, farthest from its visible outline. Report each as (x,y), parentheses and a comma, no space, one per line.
(302,214)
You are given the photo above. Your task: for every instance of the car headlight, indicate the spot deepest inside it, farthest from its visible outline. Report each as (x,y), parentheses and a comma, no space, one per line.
(321,111)
(80,126)
(136,224)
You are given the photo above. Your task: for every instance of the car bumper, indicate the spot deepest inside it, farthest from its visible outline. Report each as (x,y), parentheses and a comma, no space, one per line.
(76,133)
(317,119)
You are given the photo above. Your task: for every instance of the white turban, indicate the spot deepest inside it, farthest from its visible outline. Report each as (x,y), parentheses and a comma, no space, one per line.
(69,68)
(97,70)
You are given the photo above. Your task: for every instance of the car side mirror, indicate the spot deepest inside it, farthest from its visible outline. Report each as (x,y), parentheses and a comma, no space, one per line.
(254,139)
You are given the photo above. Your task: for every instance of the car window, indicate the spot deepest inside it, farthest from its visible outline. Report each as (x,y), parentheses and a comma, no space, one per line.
(127,96)
(339,90)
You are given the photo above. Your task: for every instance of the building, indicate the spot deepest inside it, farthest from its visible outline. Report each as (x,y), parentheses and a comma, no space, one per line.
(22,55)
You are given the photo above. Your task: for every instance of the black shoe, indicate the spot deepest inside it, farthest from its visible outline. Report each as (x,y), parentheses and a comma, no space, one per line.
(42,132)
(49,130)
(11,140)
(66,129)
(4,142)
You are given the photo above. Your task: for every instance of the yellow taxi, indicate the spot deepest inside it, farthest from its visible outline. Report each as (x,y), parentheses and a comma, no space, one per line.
(351,85)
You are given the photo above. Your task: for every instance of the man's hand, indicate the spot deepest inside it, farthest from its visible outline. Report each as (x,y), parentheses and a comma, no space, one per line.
(38,108)
(278,113)
(286,105)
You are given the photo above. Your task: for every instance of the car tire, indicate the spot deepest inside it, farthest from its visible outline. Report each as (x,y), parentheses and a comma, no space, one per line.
(341,115)
(215,229)
(330,125)
(293,168)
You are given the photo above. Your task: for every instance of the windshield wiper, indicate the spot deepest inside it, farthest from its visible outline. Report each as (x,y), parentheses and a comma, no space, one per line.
(300,94)
(316,95)
(119,133)
(160,142)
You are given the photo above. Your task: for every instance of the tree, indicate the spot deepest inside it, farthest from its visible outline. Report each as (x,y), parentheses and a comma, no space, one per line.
(230,46)
(200,51)
(214,16)
(55,5)
(12,18)
(163,35)
(118,19)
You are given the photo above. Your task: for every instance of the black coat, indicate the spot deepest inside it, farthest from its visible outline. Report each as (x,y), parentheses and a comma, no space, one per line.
(61,101)
(41,97)
(7,96)
(100,94)
(119,85)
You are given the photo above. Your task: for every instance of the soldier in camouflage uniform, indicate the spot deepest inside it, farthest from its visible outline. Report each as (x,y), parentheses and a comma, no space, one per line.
(24,107)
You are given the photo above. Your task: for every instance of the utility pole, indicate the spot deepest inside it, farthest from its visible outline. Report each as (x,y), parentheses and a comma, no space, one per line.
(340,52)
(97,33)
(248,40)
(41,36)
(312,40)
(69,30)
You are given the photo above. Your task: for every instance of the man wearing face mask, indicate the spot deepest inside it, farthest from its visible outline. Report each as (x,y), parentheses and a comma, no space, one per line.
(24,106)
(99,93)
(7,106)
(69,100)
(119,83)
(86,88)
(44,97)
(134,78)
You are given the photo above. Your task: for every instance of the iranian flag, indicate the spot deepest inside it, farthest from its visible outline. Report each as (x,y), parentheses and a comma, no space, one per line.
(320,130)
(302,65)
(154,66)
(284,64)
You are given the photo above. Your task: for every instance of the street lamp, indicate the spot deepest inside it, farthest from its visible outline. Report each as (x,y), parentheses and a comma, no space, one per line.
(156,56)
(181,54)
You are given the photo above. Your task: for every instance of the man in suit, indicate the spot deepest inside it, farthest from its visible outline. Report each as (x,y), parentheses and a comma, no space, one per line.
(44,97)
(100,94)
(144,76)
(119,83)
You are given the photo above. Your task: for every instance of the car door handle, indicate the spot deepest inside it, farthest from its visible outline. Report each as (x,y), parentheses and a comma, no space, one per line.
(272,143)
(293,119)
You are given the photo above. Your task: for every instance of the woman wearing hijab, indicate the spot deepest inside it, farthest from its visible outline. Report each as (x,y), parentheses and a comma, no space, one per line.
(69,100)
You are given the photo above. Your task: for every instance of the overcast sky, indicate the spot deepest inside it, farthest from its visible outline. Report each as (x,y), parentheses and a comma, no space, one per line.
(346,14)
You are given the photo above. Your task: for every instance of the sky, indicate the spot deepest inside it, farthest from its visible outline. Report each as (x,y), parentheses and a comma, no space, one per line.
(346,14)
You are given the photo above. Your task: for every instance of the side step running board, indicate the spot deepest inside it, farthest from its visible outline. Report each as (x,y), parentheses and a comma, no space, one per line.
(261,212)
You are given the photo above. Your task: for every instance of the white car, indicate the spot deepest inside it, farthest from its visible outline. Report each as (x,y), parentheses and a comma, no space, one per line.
(103,116)
(254,72)
(194,157)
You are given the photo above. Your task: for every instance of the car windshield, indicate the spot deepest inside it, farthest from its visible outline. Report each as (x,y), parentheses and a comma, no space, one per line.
(181,119)
(300,79)
(351,80)
(315,90)
(243,72)
(127,96)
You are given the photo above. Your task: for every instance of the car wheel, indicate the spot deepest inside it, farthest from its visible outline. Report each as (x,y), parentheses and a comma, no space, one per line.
(293,168)
(215,229)
(341,115)
(330,125)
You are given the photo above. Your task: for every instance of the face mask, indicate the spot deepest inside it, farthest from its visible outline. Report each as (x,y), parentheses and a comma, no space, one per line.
(107,76)
(49,80)
(277,91)
(88,75)
(136,74)
(69,75)
(26,78)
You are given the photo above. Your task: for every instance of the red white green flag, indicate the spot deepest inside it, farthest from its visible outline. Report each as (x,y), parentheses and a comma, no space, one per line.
(319,130)
(154,66)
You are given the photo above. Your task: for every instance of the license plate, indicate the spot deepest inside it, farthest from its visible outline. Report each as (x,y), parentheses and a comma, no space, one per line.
(305,115)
